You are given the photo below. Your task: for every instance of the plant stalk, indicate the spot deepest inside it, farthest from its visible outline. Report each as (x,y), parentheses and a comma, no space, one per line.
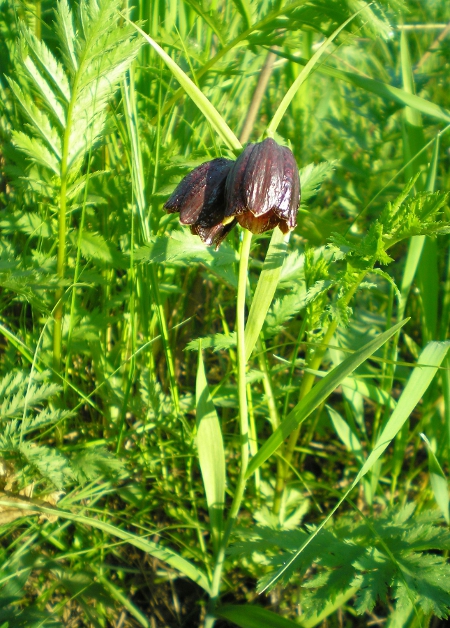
(243,426)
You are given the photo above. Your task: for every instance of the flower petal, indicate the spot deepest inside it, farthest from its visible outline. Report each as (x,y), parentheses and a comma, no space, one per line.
(262,184)
(200,195)
(260,224)
(215,234)
(234,188)
(289,202)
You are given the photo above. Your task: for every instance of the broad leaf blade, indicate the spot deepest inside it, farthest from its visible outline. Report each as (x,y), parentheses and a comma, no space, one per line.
(438,481)
(267,285)
(210,452)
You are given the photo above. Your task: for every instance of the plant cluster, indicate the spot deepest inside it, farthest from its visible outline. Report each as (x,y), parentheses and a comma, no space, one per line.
(255,434)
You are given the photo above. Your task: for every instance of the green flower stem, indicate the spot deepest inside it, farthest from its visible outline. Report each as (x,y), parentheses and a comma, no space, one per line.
(283,471)
(243,425)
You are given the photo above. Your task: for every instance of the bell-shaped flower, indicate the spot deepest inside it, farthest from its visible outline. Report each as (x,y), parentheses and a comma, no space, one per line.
(263,188)
(200,199)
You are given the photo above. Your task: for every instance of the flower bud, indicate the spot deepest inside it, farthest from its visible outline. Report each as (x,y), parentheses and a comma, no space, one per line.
(200,199)
(263,188)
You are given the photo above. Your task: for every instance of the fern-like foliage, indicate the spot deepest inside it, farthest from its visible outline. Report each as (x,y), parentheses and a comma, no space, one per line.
(64,100)
(395,558)
(25,409)
(401,219)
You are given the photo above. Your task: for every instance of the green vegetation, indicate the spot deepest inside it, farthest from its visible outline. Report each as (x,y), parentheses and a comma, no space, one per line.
(257,435)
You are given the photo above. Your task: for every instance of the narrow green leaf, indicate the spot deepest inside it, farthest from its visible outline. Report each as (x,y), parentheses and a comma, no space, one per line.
(317,395)
(420,379)
(208,18)
(364,388)
(304,74)
(162,553)
(247,616)
(245,9)
(346,434)
(385,91)
(430,359)
(439,482)
(210,452)
(412,261)
(267,285)
(208,110)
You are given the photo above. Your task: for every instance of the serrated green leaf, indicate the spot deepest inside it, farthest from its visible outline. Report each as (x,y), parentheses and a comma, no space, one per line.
(38,121)
(49,63)
(182,247)
(312,176)
(217,342)
(45,91)
(36,150)
(66,33)
(95,247)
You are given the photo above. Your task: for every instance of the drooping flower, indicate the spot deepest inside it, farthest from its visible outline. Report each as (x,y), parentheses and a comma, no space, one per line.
(263,188)
(200,199)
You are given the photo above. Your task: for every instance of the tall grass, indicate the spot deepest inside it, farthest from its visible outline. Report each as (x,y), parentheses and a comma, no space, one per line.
(253,436)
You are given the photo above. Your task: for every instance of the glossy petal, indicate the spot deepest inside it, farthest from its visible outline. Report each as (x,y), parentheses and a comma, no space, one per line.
(213,235)
(200,195)
(289,201)
(260,224)
(263,188)
(234,189)
(263,177)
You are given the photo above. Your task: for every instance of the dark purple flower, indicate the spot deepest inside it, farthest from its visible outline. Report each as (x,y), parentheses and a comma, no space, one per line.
(263,188)
(200,199)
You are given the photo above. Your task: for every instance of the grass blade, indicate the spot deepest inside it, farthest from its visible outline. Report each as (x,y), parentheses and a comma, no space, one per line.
(247,616)
(304,74)
(346,434)
(162,553)
(422,376)
(317,395)
(383,90)
(191,89)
